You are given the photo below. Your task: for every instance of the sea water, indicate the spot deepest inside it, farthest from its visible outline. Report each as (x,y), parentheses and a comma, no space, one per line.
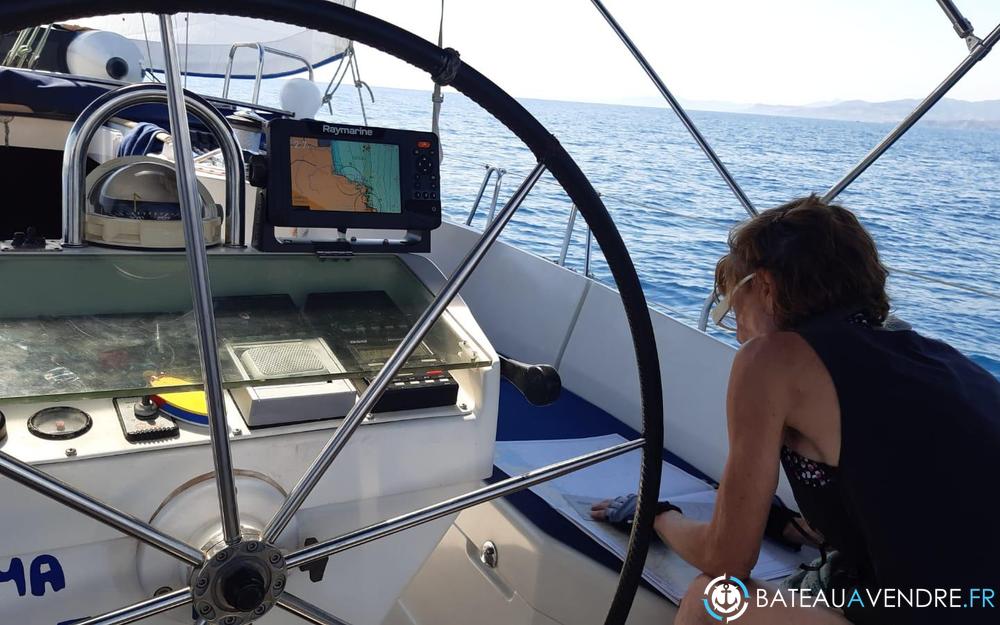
(932,202)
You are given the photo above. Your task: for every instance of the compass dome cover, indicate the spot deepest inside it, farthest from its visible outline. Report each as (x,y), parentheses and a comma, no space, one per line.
(133,201)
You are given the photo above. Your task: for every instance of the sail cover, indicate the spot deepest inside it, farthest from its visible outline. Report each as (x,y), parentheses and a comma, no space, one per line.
(204,42)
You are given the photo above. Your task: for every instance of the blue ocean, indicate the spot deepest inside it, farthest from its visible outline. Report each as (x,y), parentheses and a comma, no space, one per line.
(932,202)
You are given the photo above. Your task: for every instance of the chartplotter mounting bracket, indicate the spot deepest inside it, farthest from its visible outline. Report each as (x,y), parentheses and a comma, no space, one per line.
(319,177)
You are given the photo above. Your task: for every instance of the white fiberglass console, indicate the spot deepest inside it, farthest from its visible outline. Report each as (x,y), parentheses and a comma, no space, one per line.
(100,387)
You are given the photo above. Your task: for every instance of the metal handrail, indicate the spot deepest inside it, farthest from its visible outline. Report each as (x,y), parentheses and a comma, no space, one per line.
(490,170)
(706,309)
(27,47)
(261,49)
(99,112)
(570,223)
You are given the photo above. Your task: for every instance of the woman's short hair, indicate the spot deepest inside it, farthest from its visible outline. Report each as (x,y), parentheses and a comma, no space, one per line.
(822,259)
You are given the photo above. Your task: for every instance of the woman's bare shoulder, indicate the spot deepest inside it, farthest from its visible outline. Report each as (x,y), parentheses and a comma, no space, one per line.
(782,371)
(774,353)
(781,366)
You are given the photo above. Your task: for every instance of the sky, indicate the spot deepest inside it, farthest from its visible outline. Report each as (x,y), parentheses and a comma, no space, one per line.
(793,52)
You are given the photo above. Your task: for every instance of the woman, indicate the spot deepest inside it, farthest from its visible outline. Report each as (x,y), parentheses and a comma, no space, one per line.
(891,441)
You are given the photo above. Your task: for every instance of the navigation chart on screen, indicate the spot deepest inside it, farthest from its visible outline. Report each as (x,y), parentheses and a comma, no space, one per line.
(331,175)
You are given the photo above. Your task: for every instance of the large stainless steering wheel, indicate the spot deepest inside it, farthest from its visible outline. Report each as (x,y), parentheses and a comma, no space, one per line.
(245,578)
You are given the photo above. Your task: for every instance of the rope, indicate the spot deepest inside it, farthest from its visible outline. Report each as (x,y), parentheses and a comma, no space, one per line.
(346,58)
(449,69)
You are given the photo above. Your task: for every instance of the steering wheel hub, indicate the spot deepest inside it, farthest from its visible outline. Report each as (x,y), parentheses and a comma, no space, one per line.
(239,583)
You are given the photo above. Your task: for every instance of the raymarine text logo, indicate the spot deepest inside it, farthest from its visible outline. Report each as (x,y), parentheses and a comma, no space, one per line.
(726,598)
(340,130)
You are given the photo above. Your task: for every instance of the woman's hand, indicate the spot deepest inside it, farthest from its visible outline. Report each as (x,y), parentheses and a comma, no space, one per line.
(620,511)
(599,511)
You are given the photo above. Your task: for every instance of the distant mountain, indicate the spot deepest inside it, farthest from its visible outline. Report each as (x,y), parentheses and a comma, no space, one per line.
(947,112)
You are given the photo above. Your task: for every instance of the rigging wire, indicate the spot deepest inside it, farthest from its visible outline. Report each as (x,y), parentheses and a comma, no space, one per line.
(348,63)
(149,50)
(187,45)
(330,87)
(358,83)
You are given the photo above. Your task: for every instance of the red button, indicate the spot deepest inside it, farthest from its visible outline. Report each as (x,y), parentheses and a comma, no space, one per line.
(423,144)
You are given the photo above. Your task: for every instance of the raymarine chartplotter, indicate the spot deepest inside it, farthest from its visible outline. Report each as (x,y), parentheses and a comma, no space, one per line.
(325,175)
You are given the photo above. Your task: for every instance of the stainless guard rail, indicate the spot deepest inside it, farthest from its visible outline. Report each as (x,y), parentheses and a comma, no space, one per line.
(570,223)
(258,77)
(104,108)
(490,170)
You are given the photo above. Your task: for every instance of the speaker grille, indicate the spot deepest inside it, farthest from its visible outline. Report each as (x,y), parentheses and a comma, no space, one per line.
(283,359)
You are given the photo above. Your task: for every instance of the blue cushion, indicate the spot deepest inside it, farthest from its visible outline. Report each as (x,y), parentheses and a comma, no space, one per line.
(569,417)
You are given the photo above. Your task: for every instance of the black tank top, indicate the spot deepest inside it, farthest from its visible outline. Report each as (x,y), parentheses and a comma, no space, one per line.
(914,501)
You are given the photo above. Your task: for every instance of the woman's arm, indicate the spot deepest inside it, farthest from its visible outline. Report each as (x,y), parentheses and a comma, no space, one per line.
(757,404)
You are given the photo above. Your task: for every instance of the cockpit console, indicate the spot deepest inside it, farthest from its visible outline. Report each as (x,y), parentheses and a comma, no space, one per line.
(101,352)
(299,338)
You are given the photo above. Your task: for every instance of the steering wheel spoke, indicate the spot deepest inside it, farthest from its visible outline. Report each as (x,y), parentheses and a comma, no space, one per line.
(197,260)
(413,338)
(305,610)
(65,494)
(320,550)
(143,609)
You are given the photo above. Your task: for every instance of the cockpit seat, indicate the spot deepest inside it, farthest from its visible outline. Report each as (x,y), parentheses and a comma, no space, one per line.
(568,417)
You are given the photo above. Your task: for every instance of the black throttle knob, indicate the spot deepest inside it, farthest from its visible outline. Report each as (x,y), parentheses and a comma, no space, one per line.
(540,384)
(244,589)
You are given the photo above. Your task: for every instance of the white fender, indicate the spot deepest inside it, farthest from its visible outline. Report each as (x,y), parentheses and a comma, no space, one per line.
(103,54)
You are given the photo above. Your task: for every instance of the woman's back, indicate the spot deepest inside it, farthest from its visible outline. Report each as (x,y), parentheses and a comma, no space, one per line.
(920,430)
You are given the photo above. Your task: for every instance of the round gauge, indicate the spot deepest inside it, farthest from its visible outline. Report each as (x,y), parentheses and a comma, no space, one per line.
(59,423)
